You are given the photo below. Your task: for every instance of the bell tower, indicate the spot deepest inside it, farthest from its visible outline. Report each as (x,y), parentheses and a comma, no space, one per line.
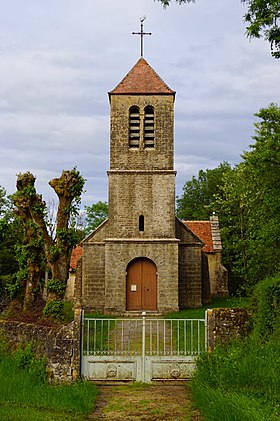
(142,176)
(141,220)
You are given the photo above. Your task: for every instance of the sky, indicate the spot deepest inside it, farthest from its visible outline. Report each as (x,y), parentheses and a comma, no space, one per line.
(60,58)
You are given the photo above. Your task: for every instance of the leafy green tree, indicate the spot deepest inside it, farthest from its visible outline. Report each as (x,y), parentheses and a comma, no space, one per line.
(167,2)
(247,201)
(199,194)
(263,168)
(233,203)
(250,207)
(95,215)
(10,238)
(4,203)
(262,16)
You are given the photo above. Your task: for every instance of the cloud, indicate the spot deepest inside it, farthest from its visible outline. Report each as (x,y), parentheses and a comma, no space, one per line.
(58,60)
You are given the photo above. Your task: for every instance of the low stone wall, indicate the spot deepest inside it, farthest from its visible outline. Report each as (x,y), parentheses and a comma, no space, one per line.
(60,346)
(225,324)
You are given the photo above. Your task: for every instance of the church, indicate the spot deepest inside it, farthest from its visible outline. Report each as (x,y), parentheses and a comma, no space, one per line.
(142,257)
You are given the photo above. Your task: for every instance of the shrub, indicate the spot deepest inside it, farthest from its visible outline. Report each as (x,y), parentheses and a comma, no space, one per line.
(266,308)
(56,287)
(242,380)
(35,366)
(53,309)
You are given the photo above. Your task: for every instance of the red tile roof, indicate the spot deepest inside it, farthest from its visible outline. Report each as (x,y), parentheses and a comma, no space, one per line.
(202,229)
(142,79)
(77,253)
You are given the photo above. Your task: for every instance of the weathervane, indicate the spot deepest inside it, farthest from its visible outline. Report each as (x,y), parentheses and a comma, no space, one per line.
(142,33)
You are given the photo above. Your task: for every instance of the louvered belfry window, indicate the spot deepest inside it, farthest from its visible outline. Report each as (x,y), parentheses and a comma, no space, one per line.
(149,127)
(134,127)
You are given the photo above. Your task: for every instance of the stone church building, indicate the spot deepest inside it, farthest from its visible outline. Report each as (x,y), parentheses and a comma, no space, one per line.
(142,257)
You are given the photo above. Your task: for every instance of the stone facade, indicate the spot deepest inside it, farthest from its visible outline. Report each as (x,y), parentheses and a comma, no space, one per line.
(141,223)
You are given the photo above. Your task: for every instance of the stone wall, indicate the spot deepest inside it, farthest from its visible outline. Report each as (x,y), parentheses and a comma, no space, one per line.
(60,345)
(190,276)
(218,275)
(205,287)
(225,324)
(93,276)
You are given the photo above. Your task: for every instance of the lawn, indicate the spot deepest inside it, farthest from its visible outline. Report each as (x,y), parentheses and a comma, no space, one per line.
(25,395)
(217,302)
(240,381)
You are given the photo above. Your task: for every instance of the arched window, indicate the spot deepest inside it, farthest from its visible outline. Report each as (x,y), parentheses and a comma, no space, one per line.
(141,223)
(134,127)
(149,127)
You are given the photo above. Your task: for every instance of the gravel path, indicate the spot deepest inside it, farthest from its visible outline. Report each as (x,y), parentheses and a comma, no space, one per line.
(145,402)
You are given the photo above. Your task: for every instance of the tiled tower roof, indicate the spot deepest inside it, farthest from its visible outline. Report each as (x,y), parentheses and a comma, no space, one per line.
(142,79)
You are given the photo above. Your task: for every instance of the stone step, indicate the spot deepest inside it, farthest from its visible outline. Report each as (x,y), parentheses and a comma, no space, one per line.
(140,314)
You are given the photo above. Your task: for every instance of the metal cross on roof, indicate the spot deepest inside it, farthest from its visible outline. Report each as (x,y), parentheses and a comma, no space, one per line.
(141,33)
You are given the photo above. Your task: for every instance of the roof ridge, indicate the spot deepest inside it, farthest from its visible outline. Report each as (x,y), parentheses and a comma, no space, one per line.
(197,220)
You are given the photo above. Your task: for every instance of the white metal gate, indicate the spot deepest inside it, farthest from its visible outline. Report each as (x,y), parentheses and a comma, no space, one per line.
(141,349)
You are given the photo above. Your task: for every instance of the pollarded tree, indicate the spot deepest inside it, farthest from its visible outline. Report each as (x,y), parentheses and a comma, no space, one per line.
(56,251)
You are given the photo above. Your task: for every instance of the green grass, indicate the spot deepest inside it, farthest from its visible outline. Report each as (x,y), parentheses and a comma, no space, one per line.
(95,333)
(218,405)
(193,339)
(25,396)
(217,302)
(239,382)
(67,312)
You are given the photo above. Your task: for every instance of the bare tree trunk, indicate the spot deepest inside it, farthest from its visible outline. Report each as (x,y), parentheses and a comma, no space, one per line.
(32,246)
(57,251)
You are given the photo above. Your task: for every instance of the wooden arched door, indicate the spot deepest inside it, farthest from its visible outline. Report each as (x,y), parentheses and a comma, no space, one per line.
(141,285)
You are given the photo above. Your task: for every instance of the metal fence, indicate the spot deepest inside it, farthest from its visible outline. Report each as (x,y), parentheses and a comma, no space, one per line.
(143,336)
